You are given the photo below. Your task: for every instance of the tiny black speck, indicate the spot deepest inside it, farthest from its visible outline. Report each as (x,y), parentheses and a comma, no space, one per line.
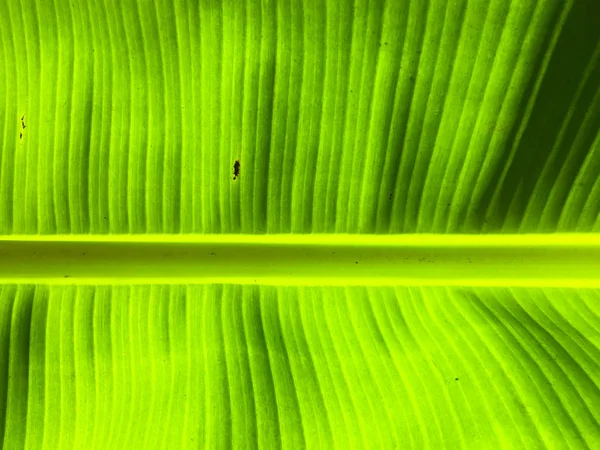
(456,379)
(236,169)
(356,262)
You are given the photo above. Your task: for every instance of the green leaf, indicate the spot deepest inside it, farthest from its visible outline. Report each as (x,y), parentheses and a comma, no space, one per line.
(397,116)
(156,366)
(299,224)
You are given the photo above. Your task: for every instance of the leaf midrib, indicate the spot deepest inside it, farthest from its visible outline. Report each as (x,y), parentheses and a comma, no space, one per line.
(470,260)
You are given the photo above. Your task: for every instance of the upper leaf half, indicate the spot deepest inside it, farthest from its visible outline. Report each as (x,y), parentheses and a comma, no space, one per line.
(286,116)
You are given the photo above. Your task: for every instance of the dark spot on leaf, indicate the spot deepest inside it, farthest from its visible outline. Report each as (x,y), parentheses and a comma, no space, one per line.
(356,262)
(236,169)
(66,276)
(20,135)
(456,379)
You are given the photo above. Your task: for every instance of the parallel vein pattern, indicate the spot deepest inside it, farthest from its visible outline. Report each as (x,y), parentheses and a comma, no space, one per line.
(346,116)
(220,366)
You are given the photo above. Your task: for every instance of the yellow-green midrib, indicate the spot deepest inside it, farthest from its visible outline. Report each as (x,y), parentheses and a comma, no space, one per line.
(543,260)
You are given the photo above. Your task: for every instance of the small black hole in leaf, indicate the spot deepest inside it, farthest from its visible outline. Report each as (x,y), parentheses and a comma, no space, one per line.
(236,169)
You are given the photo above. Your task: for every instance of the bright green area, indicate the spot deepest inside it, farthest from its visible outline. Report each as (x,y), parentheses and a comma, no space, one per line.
(409,257)
(244,366)
(346,116)
(568,260)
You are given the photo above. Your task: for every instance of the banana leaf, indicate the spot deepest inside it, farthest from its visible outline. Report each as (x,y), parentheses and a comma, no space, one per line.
(299,224)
